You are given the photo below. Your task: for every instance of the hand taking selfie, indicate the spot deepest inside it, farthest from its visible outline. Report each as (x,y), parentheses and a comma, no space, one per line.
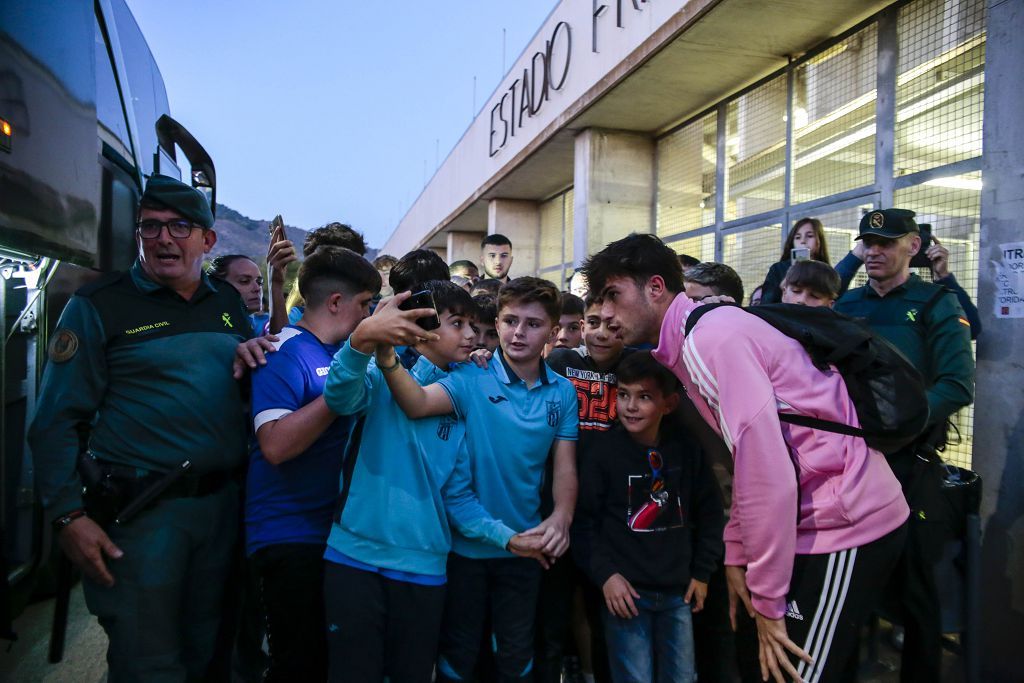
(939,256)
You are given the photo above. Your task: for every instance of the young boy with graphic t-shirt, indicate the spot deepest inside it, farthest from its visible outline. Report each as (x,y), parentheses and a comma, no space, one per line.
(404,484)
(648,528)
(295,466)
(516,410)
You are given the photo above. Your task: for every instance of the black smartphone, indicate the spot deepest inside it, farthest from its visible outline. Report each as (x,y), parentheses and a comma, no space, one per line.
(423,299)
(920,259)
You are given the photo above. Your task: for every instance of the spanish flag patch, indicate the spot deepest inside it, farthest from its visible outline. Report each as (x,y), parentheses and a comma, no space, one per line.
(964,321)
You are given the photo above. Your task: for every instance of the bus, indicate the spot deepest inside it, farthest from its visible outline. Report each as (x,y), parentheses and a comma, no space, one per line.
(84,120)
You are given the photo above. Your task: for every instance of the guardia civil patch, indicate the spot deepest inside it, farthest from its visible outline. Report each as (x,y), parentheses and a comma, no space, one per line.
(63,346)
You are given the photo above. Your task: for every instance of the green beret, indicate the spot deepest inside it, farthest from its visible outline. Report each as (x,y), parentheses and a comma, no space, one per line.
(179,197)
(891,223)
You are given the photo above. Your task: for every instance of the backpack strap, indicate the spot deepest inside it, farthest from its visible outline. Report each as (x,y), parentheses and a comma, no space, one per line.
(699,312)
(801,420)
(824,425)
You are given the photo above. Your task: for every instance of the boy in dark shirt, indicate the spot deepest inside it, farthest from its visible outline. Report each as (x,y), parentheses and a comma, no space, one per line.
(648,528)
(591,369)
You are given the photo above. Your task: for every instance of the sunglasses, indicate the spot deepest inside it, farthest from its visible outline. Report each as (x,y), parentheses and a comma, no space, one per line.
(658,493)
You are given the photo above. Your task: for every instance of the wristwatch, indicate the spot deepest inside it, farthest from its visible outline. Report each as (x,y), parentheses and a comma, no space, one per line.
(65,520)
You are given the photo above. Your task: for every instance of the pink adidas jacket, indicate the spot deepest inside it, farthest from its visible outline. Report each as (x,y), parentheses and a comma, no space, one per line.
(740,372)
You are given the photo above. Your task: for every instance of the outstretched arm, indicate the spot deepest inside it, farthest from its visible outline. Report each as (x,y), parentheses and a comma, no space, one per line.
(763,492)
(466,513)
(415,401)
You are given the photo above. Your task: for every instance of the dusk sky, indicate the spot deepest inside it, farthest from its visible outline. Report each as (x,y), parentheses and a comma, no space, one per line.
(325,111)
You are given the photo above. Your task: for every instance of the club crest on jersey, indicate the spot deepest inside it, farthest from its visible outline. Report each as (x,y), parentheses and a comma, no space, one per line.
(554,412)
(444,427)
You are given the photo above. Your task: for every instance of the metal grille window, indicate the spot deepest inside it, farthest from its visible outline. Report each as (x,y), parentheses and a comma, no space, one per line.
(686,177)
(555,247)
(751,253)
(569,221)
(700,247)
(549,247)
(841,227)
(834,118)
(952,205)
(940,83)
(755,174)
(828,99)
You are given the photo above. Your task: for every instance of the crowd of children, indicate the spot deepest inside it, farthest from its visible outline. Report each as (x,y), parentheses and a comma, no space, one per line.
(419,475)
(488,479)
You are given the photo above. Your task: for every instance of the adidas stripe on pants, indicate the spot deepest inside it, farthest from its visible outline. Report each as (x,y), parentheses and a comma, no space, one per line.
(829,600)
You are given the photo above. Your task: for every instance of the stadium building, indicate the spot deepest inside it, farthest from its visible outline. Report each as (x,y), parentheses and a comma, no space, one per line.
(716,124)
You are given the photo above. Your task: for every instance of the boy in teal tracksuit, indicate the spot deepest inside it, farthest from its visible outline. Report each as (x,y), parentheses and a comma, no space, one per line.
(403,481)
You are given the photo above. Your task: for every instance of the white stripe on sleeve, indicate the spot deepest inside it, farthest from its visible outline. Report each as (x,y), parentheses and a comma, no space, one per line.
(265,416)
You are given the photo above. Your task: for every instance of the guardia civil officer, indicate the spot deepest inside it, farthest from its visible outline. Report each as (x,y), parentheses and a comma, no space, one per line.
(142,359)
(926,322)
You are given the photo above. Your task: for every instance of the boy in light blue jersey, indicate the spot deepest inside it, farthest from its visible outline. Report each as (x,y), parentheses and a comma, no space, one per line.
(516,411)
(403,485)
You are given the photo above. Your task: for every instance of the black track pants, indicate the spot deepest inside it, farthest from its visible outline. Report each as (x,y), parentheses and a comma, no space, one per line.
(830,598)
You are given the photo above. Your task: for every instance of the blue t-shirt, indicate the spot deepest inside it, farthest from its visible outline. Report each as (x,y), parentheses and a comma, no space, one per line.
(293,502)
(510,429)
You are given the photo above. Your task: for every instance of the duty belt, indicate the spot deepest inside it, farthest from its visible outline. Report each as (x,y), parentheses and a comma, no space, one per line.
(132,480)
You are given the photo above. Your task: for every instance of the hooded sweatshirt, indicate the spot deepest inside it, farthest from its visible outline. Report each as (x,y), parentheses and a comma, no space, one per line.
(409,480)
(741,372)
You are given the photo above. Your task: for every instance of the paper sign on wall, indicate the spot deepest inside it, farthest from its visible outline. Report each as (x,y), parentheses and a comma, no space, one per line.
(1010,281)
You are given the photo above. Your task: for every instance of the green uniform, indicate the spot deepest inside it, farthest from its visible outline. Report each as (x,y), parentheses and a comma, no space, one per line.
(934,334)
(151,373)
(925,322)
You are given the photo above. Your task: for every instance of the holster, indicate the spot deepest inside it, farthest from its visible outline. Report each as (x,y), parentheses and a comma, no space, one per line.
(102,496)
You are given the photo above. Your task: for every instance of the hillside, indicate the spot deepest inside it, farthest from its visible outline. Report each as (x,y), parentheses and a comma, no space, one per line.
(238,234)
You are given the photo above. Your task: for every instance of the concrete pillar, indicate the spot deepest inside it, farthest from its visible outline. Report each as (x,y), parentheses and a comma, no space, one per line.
(614,188)
(464,245)
(999,411)
(519,221)
(440,251)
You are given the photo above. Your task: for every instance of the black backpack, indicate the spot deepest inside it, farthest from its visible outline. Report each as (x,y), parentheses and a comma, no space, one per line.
(887,390)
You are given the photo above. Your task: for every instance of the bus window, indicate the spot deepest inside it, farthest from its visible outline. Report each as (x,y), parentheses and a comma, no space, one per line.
(113,129)
(149,97)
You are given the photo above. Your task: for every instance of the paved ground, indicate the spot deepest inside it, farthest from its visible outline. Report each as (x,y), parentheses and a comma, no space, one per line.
(26,661)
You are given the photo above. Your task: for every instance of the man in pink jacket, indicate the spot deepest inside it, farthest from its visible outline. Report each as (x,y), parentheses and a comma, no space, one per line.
(817,519)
